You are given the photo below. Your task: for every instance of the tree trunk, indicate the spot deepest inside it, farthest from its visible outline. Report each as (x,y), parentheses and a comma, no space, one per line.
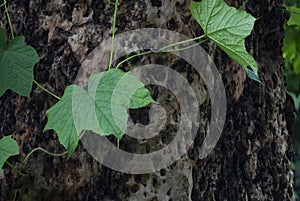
(251,160)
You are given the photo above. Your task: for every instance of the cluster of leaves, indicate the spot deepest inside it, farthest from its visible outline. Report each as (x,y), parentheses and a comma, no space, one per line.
(102,108)
(16,73)
(291,53)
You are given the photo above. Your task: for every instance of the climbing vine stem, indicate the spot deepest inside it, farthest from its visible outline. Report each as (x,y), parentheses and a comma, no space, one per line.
(47,91)
(15,169)
(113,35)
(164,49)
(8,19)
(43,150)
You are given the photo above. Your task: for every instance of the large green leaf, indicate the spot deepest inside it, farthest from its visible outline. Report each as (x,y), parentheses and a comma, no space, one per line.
(70,116)
(16,65)
(8,148)
(227,27)
(116,92)
(102,109)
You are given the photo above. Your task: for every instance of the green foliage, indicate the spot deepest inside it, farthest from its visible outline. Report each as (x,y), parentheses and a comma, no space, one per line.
(291,53)
(294,3)
(294,16)
(291,47)
(60,118)
(103,107)
(16,65)
(296,100)
(228,28)
(8,148)
(108,97)
(291,42)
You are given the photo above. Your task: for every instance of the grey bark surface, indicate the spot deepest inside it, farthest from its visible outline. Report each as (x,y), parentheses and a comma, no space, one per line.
(252,158)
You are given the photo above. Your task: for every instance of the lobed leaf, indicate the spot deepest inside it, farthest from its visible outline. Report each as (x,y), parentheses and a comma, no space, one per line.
(70,116)
(227,27)
(16,65)
(102,109)
(8,148)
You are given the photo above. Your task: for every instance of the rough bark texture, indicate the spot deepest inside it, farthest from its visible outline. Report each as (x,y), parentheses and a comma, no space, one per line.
(251,160)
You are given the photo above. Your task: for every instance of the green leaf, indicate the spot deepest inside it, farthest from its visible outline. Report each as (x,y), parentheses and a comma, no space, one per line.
(3,39)
(102,109)
(16,65)
(116,92)
(8,148)
(291,43)
(293,80)
(227,27)
(296,65)
(294,16)
(296,100)
(62,116)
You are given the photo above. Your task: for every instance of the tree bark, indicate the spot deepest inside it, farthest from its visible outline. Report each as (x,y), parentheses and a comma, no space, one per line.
(252,158)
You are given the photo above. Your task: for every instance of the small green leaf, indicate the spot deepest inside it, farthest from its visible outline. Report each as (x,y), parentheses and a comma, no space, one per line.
(294,16)
(8,148)
(227,27)
(102,109)
(16,65)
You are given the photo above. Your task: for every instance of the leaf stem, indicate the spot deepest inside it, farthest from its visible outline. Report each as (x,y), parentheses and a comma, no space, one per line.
(133,56)
(15,169)
(8,19)
(185,48)
(113,35)
(15,195)
(43,150)
(81,135)
(182,42)
(162,49)
(47,91)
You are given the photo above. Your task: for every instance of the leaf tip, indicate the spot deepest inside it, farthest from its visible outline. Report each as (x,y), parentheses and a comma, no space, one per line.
(253,75)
